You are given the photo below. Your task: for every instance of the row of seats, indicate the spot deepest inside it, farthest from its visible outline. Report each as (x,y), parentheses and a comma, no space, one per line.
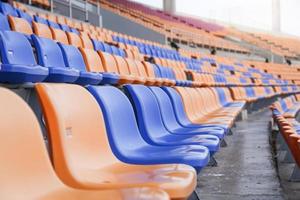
(45,28)
(285,113)
(287,107)
(161,124)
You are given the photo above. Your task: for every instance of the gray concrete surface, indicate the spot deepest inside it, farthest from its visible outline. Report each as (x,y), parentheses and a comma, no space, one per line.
(246,169)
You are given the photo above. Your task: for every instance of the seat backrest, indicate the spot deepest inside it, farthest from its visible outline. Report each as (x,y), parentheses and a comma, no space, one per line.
(86,41)
(53,24)
(77,132)
(65,27)
(20,25)
(40,20)
(74,39)
(48,52)
(25,163)
(149,69)
(166,108)
(72,57)
(16,49)
(147,112)
(98,45)
(108,62)
(41,30)
(132,67)
(59,35)
(92,60)
(120,120)
(122,65)
(7,9)
(4,25)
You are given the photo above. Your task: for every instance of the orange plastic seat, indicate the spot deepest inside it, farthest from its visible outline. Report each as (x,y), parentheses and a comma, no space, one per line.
(92,60)
(20,25)
(59,35)
(26,171)
(41,30)
(125,76)
(74,39)
(81,151)
(86,41)
(133,68)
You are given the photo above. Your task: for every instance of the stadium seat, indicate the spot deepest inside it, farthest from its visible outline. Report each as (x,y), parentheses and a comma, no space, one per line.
(117,125)
(40,20)
(155,130)
(84,159)
(74,39)
(24,15)
(18,61)
(181,112)
(7,9)
(21,178)
(20,25)
(86,41)
(4,25)
(41,30)
(94,64)
(49,55)
(73,59)
(59,35)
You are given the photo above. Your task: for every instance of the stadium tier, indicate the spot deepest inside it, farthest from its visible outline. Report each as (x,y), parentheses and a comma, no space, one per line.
(90,113)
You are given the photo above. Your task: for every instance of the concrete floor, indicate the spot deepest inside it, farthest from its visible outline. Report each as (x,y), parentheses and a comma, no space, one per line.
(245,167)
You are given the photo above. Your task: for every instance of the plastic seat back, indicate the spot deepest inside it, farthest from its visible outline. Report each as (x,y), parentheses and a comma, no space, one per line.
(41,30)
(122,65)
(16,49)
(59,35)
(108,62)
(78,134)
(4,25)
(92,60)
(74,39)
(86,41)
(48,52)
(72,57)
(20,25)
(20,145)
(7,9)
(119,119)
(147,112)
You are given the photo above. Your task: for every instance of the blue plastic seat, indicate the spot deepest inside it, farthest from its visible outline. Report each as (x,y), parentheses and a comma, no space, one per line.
(18,61)
(50,56)
(98,45)
(125,138)
(7,9)
(180,114)
(53,24)
(153,128)
(40,20)
(65,27)
(24,15)
(169,118)
(74,30)
(224,101)
(74,59)
(4,25)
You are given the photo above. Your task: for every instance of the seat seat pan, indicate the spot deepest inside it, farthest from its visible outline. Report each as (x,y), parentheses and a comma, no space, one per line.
(89,78)
(109,78)
(126,79)
(62,75)
(121,175)
(14,73)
